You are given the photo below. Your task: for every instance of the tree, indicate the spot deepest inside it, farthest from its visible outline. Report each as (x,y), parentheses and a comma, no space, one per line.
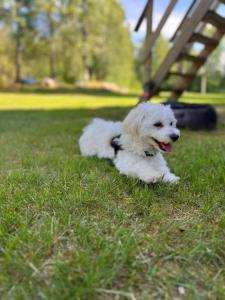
(21,24)
(114,54)
(158,54)
(6,58)
(71,40)
(49,19)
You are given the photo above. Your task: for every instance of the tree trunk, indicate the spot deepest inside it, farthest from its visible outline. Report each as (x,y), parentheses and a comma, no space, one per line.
(84,34)
(52,62)
(52,68)
(18,58)
(203,84)
(86,68)
(86,76)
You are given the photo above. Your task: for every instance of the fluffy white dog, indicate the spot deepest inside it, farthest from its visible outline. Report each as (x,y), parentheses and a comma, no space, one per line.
(135,145)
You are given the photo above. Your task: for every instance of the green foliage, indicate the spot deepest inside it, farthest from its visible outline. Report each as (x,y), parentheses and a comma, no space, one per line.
(159,52)
(78,40)
(6,57)
(215,72)
(72,40)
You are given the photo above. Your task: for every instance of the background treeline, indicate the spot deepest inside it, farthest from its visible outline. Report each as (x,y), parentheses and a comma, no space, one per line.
(76,40)
(70,40)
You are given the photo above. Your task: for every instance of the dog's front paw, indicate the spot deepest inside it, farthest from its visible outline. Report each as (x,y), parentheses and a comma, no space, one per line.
(171,178)
(151,179)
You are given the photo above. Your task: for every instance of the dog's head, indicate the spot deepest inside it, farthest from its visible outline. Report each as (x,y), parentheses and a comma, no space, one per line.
(153,125)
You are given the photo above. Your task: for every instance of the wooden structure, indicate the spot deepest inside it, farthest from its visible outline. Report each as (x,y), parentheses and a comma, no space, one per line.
(190,31)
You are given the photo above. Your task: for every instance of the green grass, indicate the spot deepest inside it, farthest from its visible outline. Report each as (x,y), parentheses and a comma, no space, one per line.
(72,226)
(56,99)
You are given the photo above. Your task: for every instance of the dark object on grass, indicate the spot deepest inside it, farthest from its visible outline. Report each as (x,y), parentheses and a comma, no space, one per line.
(28,81)
(194,116)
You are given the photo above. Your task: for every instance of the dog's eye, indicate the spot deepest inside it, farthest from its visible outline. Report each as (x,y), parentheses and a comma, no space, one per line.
(171,123)
(158,124)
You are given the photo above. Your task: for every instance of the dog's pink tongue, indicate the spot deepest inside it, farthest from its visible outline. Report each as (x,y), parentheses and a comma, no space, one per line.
(166,147)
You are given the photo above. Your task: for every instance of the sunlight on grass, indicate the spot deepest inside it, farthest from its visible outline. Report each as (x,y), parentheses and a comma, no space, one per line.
(12,101)
(58,101)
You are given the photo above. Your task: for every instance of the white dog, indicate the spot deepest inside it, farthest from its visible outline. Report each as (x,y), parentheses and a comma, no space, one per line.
(135,145)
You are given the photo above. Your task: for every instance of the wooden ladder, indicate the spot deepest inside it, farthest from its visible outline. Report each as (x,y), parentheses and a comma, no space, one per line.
(190,31)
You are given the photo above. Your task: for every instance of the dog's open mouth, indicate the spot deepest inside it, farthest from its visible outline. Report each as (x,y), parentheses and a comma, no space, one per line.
(163,146)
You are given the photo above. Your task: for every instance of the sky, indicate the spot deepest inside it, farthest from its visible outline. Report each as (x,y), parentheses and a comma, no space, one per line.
(134,8)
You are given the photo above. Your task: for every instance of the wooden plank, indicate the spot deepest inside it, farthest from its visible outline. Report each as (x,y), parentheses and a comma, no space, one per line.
(143,15)
(192,58)
(162,23)
(200,38)
(195,68)
(182,22)
(148,41)
(207,51)
(188,27)
(216,20)
(181,74)
(175,95)
(185,82)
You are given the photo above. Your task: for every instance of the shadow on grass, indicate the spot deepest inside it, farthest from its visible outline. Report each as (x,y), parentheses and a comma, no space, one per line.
(74,119)
(68,91)
(76,112)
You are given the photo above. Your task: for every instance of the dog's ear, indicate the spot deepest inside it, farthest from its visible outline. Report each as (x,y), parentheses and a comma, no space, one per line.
(133,121)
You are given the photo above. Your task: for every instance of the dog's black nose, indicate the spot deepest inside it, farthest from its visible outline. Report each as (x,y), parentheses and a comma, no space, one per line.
(174,137)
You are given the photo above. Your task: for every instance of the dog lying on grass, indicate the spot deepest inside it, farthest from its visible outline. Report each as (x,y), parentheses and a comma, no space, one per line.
(136,144)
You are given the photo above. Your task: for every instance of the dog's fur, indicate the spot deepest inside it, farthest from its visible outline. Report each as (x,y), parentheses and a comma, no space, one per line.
(144,130)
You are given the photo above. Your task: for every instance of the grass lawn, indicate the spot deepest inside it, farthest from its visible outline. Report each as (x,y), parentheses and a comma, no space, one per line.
(73,228)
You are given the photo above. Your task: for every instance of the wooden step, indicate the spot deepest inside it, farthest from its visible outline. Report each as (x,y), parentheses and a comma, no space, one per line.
(191,58)
(200,38)
(216,20)
(183,75)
